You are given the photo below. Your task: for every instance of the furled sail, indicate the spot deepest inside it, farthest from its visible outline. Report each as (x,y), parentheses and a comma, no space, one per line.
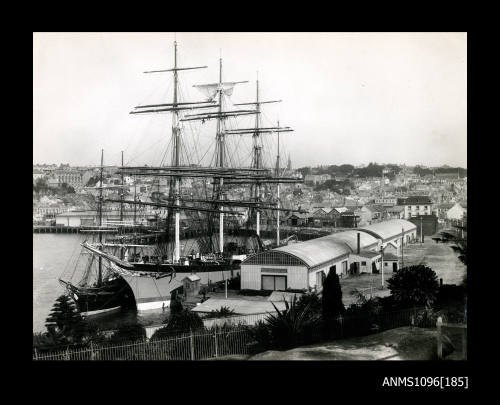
(211,90)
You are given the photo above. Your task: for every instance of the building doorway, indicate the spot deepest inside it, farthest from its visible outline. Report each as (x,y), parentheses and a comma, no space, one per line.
(320,279)
(274,283)
(394,267)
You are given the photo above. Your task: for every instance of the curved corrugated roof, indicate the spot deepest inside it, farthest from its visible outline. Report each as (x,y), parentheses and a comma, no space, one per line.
(317,251)
(351,239)
(389,229)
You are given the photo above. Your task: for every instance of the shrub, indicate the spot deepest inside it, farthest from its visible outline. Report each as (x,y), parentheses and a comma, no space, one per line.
(234,283)
(223,312)
(183,321)
(291,327)
(128,333)
(414,286)
(260,293)
(362,317)
(311,299)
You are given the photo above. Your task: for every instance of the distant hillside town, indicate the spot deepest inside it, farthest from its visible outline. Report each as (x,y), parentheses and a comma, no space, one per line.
(343,196)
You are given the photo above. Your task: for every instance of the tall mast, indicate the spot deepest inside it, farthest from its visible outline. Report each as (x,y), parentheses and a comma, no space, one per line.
(121,209)
(176,157)
(99,206)
(220,137)
(121,196)
(257,154)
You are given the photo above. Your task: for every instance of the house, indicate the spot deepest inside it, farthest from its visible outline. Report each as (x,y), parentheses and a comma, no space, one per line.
(349,219)
(391,262)
(457,212)
(366,261)
(316,178)
(372,213)
(440,210)
(386,201)
(417,205)
(298,219)
(395,212)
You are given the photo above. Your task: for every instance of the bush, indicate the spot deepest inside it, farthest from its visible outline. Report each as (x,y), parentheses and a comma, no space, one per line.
(128,333)
(252,293)
(234,283)
(414,286)
(223,312)
(288,328)
(311,299)
(183,321)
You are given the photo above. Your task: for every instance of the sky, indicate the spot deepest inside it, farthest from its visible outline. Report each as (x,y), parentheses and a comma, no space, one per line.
(350,97)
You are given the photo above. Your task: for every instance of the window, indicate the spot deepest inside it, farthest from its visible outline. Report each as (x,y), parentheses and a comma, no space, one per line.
(385,264)
(363,263)
(274,282)
(320,278)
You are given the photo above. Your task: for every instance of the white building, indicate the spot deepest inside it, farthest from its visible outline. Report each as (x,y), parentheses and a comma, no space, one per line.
(457,212)
(417,205)
(304,265)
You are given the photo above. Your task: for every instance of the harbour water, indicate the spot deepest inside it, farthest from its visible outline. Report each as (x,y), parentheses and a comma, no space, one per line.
(58,254)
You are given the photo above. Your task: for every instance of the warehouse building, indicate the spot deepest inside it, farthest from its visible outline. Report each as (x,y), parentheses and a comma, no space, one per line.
(304,265)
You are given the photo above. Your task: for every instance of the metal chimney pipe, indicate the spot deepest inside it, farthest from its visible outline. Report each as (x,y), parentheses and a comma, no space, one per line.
(359,238)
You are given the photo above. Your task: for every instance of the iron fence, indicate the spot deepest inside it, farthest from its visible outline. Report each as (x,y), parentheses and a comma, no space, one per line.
(196,345)
(233,336)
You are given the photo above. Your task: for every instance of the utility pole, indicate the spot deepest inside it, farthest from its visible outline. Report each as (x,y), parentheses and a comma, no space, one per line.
(278,191)
(402,246)
(421,230)
(382,264)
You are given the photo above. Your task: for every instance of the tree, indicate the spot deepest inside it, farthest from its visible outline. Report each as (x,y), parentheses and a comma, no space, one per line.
(414,286)
(311,300)
(291,327)
(179,322)
(40,185)
(65,324)
(128,333)
(332,305)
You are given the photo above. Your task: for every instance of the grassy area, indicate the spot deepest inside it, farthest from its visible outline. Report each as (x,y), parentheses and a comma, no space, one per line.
(440,257)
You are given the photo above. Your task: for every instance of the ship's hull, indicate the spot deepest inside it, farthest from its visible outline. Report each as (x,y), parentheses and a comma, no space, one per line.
(153,293)
(152,283)
(110,297)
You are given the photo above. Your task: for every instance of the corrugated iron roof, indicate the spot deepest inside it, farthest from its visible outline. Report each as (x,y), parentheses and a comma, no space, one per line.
(389,229)
(317,251)
(351,239)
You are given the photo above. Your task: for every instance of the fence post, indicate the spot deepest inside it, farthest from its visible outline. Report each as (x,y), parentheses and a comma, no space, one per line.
(216,348)
(36,354)
(439,341)
(464,343)
(191,341)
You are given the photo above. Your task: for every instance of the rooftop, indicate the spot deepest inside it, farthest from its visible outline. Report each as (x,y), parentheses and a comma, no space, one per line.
(389,229)
(418,199)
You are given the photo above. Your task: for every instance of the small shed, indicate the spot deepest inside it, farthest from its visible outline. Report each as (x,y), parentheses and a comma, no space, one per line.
(191,285)
(391,262)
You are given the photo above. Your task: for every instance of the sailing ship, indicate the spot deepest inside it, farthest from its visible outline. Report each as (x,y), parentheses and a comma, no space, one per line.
(153,274)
